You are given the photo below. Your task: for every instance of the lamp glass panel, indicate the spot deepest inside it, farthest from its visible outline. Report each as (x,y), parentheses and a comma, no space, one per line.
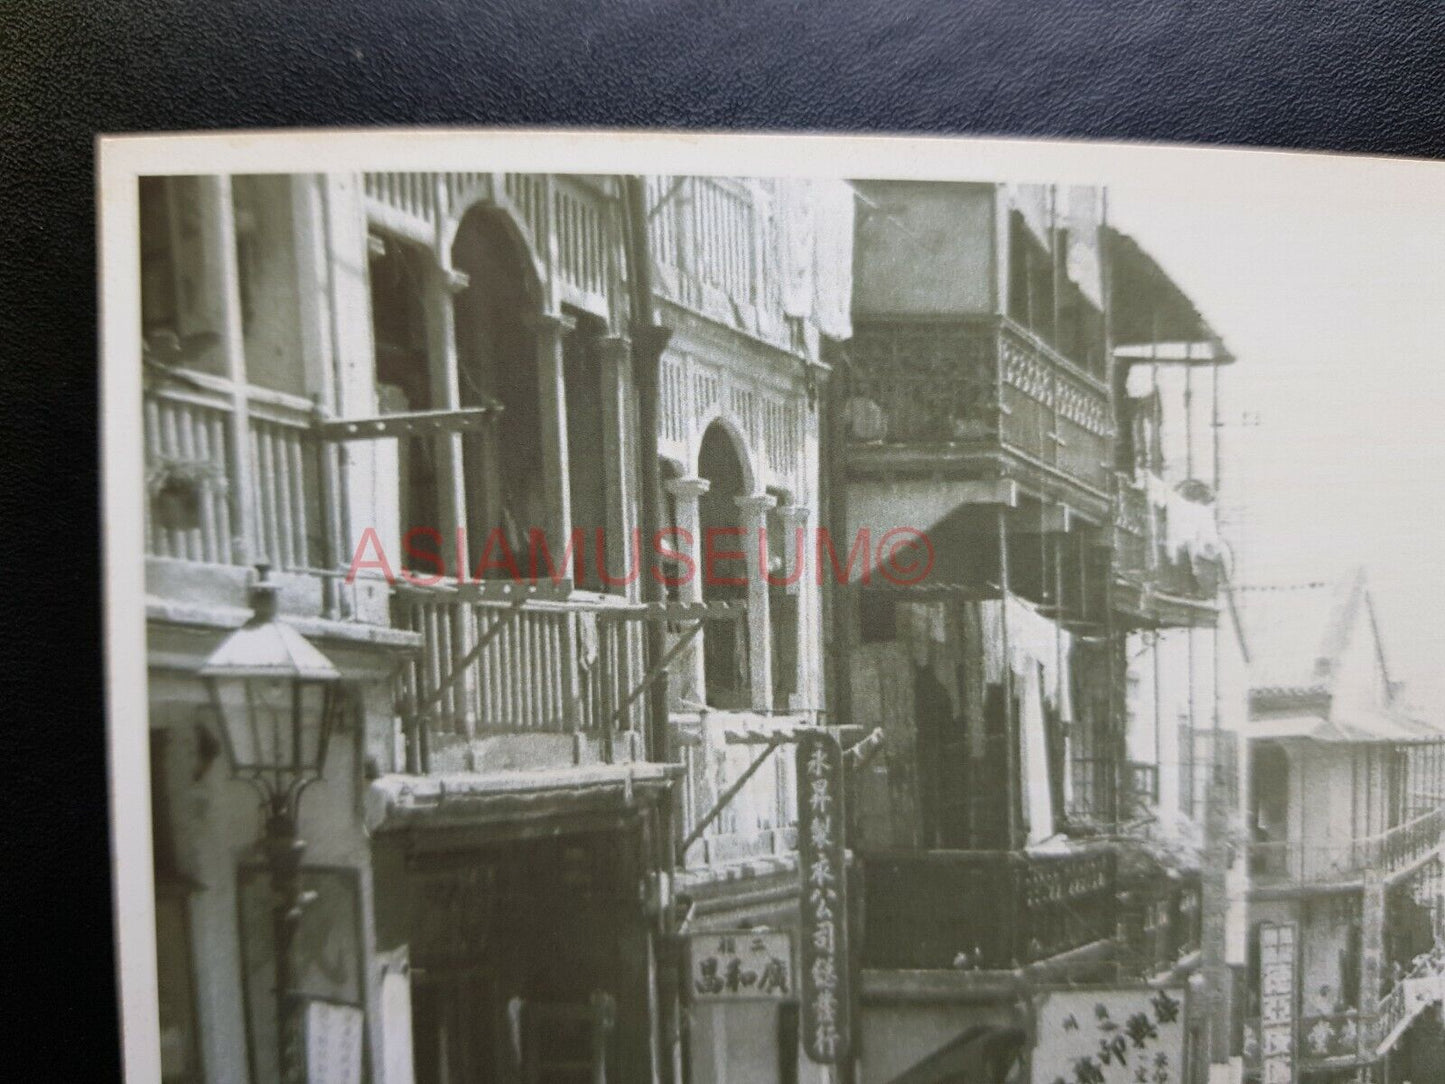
(256,715)
(315,703)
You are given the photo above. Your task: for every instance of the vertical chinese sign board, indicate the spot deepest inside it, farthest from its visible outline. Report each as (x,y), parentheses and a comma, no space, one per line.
(824,952)
(1277,952)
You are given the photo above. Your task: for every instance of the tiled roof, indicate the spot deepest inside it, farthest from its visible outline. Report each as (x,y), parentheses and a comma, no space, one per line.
(1393,727)
(1296,632)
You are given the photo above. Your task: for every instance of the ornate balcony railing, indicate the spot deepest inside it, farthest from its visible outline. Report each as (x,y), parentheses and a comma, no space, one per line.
(1422,986)
(489,666)
(988,910)
(1160,923)
(983,381)
(1386,852)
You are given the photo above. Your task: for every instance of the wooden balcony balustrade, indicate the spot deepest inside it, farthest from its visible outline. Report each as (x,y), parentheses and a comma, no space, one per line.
(715,247)
(927,910)
(984,382)
(1142,556)
(191,464)
(1388,852)
(569,219)
(1136,554)
(1413,993)
(490,666)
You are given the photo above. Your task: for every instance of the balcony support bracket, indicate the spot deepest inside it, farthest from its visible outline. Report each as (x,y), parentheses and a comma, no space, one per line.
(416,423)
(727,796)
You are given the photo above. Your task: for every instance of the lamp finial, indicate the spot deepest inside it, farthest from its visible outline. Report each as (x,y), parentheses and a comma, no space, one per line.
(263,594)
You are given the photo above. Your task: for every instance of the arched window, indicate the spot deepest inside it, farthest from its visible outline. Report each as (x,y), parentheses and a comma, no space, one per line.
(725,658)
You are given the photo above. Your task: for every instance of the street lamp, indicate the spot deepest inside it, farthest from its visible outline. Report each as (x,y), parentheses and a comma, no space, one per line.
(276,699)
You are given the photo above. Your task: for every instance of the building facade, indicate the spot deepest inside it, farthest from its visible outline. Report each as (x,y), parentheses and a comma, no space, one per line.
(1345,833)
(418,399)
(1038,815)
(605,495)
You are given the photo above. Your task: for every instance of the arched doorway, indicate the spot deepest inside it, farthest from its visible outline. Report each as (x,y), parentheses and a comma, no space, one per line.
(725,657)
(501,359)
(1269,811)
(497,363)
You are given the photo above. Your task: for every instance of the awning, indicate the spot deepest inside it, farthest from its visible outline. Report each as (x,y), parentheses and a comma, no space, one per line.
(470,799)
(1347,726)
(1149,310)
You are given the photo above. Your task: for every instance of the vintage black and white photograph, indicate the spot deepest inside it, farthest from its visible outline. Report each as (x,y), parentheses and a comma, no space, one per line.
(711,610)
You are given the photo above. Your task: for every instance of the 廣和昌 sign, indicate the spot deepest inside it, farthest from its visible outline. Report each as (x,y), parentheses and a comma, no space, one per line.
(741,964)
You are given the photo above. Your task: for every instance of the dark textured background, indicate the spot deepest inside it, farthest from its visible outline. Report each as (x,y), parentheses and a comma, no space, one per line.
(1360,76)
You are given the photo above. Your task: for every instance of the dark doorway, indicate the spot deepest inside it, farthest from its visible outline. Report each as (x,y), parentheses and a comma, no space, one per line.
(404,381)
(529,961)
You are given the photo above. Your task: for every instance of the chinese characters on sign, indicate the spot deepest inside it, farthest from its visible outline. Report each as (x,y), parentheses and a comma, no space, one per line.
(820,849)
(1276,1002)
(742,964)
(1123,1035)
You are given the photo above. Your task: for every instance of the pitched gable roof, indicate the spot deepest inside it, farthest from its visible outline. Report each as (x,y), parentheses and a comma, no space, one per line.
(1297,633)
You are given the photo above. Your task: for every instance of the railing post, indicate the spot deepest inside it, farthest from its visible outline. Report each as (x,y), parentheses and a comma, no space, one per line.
(1018,935)
(1372,937)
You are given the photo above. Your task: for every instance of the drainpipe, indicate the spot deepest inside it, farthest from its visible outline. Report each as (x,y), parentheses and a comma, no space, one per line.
(649,340)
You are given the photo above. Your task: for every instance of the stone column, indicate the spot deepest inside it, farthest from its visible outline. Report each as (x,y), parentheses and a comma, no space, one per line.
(753,517)
(686,492)
(441,336)
(441,339)
(794,518)
(551,330)
(615,353)
(217,213)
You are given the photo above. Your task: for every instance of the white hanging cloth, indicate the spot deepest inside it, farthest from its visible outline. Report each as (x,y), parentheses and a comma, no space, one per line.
(1034,641)
(834,211)
(1035,754)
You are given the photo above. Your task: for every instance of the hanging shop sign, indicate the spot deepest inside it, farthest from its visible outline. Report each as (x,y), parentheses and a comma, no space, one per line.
(1277,951)
(824,954)
(1110,1035)
(741,965)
